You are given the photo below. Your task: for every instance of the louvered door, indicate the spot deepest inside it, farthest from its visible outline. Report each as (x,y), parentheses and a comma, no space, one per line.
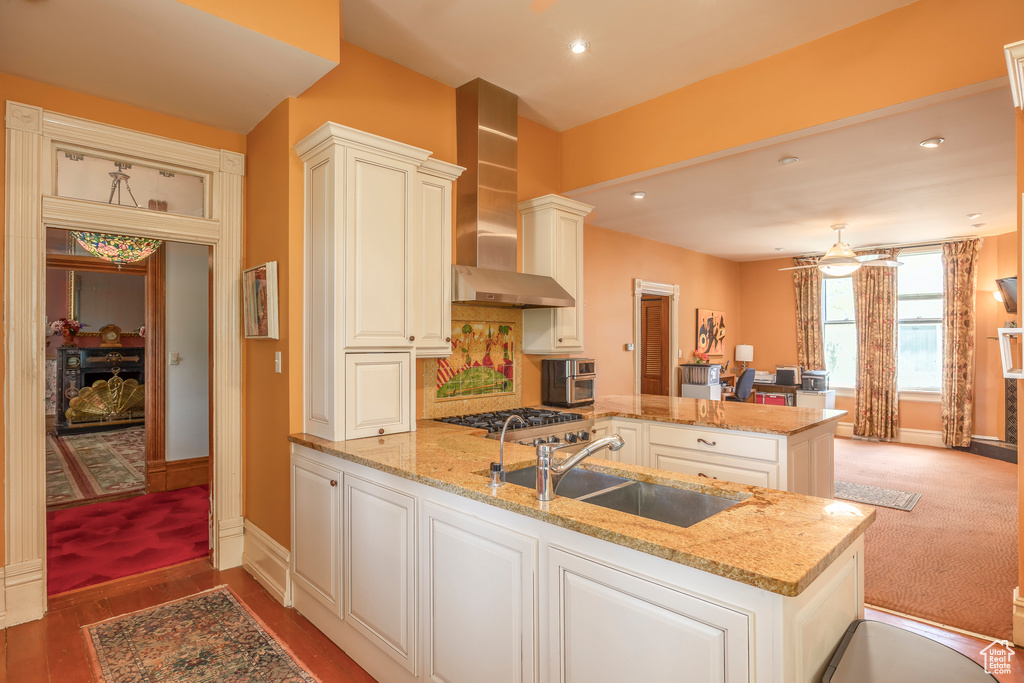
(654,360)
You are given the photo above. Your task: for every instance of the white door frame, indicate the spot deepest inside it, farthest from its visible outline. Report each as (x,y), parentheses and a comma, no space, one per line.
(641,287)
(33,136)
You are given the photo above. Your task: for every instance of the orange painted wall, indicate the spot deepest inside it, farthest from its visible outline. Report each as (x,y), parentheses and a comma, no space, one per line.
(365,92)
(105,111)
(611,261)
(312,25)
(924,48)
(538,160)
(768,315)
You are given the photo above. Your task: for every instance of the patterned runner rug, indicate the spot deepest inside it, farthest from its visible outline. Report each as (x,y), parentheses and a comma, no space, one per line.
(876,495)
(84,467)
(211,636)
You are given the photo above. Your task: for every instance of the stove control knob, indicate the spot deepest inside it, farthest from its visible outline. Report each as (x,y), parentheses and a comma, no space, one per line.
(570,437)
(554,439)
(538,441)
(583,434)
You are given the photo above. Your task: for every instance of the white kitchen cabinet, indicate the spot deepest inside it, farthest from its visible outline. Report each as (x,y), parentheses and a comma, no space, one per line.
(364,208)
(552,240)
(379,567)
(316,531)
(432,259)
(481,589)
(632,433)
(711,465)
(378,214)
(610,626)
(601,429)
(379,395)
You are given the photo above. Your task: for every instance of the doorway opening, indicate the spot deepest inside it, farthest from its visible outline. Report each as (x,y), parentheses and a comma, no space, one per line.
(128,425)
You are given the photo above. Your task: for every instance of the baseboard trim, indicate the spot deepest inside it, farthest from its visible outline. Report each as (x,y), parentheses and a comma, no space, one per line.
(914,437)
(181,474)
(268,561)
(3,601)
(24,592)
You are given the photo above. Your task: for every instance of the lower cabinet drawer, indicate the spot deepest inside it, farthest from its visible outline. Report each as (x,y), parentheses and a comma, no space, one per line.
(713,441)
(701,464)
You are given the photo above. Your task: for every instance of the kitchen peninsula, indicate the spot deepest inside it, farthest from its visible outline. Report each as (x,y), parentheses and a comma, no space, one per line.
(406,558)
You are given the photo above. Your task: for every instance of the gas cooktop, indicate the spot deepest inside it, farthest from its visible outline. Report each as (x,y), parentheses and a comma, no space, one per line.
(550,426)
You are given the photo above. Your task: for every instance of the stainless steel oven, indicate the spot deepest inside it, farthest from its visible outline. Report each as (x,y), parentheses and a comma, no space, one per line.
(568,382)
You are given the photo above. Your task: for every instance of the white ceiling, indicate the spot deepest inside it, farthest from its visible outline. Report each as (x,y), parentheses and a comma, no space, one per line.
(873,175)
(639,49)
(159,55)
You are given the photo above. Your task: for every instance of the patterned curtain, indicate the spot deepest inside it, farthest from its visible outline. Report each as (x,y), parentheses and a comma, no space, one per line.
(960,264)
(810,339)
(876,411)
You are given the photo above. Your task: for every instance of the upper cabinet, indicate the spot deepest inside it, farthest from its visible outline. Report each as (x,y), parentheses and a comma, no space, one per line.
(377,269)
(553,245)
(432,259)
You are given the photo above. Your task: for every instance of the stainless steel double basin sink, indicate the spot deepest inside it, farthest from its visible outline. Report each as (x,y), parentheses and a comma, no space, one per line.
(667,504)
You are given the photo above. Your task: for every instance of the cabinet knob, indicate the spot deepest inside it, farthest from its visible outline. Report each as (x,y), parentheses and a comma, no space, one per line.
(559,340)
(448,340)
(707,443)
(380,431)
(412,338)
(334,482)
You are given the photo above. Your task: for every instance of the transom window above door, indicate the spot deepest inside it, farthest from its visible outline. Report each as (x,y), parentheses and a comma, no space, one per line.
(123,182)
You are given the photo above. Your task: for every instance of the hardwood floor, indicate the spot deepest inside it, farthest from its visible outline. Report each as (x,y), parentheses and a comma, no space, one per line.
(964,644)
(53,649)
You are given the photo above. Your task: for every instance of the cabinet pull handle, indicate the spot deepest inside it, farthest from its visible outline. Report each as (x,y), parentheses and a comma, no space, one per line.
(412,338)
(701,474)
(707,443)
(334,482)
(380,431)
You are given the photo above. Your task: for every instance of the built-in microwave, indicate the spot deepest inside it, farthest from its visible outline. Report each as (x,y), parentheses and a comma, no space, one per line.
(568,382)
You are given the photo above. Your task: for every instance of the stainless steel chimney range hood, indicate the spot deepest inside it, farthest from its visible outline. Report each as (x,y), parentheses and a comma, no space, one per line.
(485,226)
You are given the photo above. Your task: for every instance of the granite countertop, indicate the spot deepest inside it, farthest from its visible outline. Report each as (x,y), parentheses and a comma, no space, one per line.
(773,540)
(747,417)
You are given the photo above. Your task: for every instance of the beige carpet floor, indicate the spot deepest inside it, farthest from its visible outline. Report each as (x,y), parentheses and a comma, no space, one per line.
(953,558)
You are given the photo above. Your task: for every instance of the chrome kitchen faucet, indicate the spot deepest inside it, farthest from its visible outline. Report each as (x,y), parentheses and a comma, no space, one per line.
(548,475)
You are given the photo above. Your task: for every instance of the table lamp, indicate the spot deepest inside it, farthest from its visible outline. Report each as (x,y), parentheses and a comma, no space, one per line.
(744,354)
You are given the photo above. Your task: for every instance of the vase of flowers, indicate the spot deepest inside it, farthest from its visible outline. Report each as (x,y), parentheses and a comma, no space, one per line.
(67,328)
(699,357)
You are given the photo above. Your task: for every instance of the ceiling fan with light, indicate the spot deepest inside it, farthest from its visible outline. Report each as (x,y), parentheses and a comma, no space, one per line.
(840,260)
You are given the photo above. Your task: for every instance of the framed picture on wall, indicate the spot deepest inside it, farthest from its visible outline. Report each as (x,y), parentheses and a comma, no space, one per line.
(259,301)
(710,332)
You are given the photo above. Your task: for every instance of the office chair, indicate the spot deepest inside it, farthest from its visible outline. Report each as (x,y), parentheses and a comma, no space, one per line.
(744,385)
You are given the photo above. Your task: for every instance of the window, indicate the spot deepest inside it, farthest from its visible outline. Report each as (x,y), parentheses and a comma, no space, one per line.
(919,308)
(840,331)
(919,334)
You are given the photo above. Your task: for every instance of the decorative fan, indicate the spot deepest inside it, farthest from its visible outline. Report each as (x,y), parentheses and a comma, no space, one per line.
(840,260)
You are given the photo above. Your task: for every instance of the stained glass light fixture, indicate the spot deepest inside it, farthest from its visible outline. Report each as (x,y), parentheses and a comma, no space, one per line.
(118,249)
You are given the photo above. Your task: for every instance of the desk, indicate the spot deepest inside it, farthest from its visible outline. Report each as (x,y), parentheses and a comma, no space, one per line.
(788,389)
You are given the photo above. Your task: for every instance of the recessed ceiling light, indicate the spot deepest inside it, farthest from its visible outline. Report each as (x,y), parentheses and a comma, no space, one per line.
(579,46)
(932,142)
(785,161)
(972,216)
(639,195)
(977,225)
(780,249)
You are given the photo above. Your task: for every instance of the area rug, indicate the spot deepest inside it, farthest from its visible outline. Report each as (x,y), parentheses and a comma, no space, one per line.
(876,495)
(87,467)
(90,544)
(206,637)
(953,559)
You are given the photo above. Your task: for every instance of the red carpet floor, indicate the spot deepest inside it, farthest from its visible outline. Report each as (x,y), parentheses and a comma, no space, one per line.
(96,543)
(953,558)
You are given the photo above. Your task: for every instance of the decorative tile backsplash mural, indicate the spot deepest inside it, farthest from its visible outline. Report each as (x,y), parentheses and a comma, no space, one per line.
(484,371)
(482,361)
